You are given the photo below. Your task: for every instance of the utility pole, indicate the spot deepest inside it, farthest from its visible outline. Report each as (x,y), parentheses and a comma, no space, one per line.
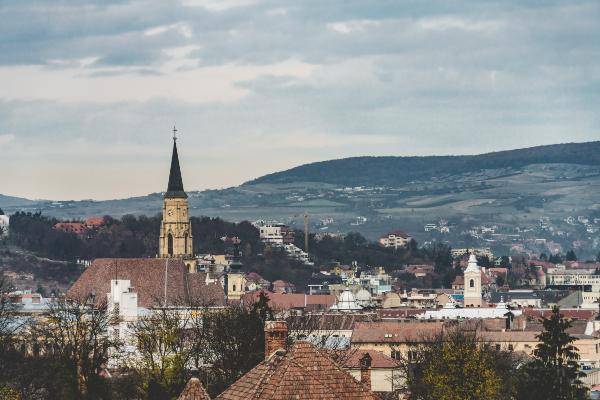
(306,232)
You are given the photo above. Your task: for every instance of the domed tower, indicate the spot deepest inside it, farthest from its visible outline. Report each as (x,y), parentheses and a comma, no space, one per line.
(176,238)
(472,276)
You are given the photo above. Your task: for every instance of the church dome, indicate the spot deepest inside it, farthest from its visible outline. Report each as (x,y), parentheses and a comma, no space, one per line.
(346,302)
(363,298)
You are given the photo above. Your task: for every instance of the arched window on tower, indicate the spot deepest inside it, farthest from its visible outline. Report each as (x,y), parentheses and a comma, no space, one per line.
(185,243)
(170,244)
(471,283)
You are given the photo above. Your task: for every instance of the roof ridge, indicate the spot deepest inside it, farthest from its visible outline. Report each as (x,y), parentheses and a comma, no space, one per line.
(271,364)
(337,366)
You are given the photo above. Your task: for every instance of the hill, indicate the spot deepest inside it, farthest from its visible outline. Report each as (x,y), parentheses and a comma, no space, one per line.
(395,171)
(544,198)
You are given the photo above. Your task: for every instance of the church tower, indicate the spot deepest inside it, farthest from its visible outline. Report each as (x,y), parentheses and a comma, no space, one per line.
(176,238)
(472,284)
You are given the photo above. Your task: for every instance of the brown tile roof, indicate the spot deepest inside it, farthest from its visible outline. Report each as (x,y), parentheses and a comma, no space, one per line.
(194,391)
(509,336)
(573,313)
(378,359)
(329,321)
(302,373)
(395,331)
(286,301)
(147,276)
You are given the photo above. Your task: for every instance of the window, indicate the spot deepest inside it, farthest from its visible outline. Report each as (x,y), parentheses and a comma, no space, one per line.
(185,243)
(497,347)
(510,347)
(471,283)
(233,288)
(170,244)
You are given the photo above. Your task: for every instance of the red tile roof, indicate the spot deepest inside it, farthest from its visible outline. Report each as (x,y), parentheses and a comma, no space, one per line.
(74,227)
(395,331)
(194,391)
(95,221)
(574,313)
(147,276)
(303,373)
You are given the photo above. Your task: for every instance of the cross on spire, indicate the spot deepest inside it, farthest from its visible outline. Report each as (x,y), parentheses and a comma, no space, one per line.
(174,133)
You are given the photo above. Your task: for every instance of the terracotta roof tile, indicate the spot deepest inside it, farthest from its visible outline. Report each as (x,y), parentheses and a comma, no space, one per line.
(194,391)
(395,331)
(147,276)
(303,373)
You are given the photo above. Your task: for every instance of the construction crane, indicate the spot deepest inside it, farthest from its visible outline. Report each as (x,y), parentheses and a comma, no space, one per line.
(306,232)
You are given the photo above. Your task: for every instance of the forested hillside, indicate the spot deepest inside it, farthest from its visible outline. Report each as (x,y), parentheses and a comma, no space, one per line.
(394,171)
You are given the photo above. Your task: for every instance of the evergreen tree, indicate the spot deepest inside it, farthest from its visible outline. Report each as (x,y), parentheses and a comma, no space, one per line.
(554,373)
(571,256)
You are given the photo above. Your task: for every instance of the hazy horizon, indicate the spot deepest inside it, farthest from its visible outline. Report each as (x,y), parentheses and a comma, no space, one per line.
(90,90)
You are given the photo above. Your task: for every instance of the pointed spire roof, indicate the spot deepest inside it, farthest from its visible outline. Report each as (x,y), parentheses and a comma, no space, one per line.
(472,266)
(194,391)
(175,187)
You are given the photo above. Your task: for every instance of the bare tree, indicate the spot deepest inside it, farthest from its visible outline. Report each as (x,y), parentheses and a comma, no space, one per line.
(73,338)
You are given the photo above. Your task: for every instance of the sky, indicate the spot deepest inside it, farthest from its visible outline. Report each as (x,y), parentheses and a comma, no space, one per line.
(91,89)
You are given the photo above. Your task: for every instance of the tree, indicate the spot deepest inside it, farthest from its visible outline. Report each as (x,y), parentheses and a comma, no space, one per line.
(163,352)
(556,258)
(75,347)
(455,365)
(571,256)
(227,344)
(554,373)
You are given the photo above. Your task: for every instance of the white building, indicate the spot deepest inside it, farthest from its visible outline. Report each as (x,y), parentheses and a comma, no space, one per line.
(472,289)
(122,303)
(450,311)
(395,239)
(4,224)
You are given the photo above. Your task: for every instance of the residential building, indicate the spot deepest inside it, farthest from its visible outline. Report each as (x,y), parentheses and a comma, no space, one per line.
(395,239)
(385,371)
(300,372)
(77,228)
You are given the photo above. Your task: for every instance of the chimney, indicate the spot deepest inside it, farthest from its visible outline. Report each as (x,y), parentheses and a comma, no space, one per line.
(365,370)
(276,333)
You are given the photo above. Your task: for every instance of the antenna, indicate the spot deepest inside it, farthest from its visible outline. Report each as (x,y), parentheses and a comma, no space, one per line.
(174,133)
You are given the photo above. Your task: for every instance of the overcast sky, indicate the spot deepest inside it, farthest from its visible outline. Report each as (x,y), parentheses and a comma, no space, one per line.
(90,90)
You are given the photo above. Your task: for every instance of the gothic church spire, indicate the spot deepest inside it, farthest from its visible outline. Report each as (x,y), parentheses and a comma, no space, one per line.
(175,187)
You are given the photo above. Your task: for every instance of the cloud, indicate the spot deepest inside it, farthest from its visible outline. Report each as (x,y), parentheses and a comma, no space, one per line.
(258,86)
(7,138)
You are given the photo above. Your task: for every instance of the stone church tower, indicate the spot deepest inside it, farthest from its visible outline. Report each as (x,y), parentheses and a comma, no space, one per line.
(176,238)
(472,291)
